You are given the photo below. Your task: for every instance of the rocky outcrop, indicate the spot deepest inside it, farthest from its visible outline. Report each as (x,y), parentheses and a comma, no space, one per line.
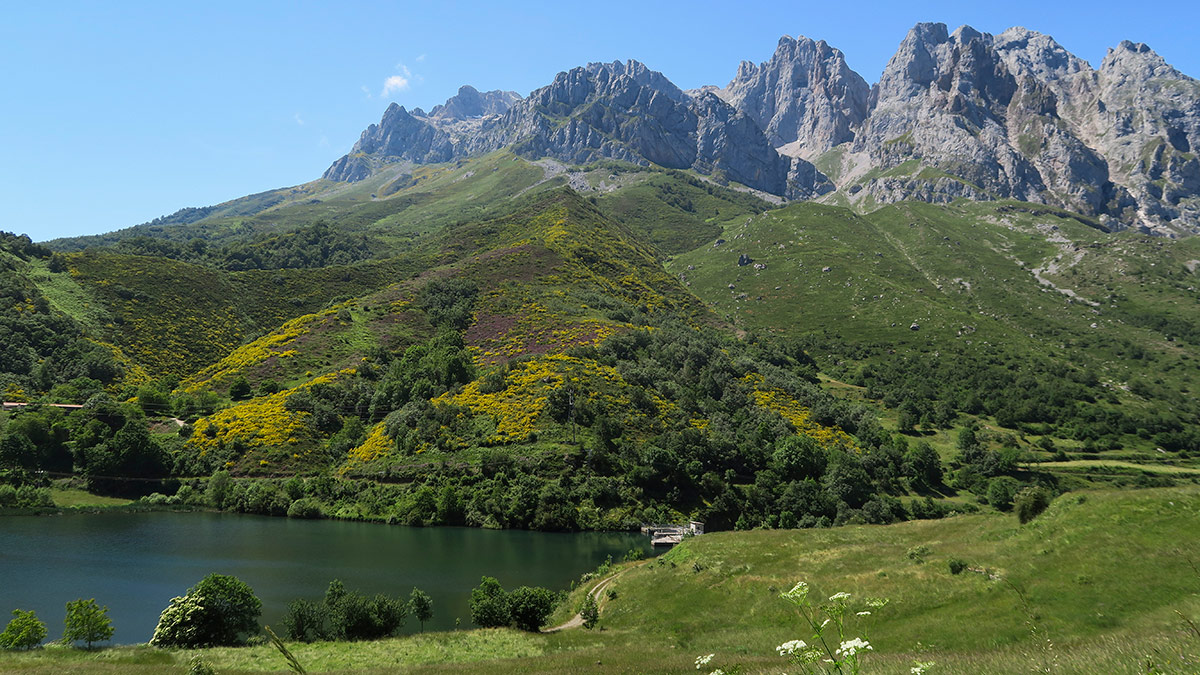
(954,114)
(943,101)
(470,103)
(398,136)
(1146,123)
(1017,116)
(806,99)
(619,110)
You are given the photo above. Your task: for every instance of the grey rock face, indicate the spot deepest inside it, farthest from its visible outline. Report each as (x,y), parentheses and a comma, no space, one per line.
(1017,116)
(616,110)
(962,114)
(943,100)
(805,97)
(398,135)
(1146,122)
(469,103)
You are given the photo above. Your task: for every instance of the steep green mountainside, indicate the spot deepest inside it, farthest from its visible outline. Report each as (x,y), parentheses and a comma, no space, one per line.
(540,369)
(386,213)
(496,342)
(42,327)
(175,318)
(1025,314)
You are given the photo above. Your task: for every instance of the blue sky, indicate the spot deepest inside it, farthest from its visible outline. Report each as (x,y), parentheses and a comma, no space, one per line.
(115,113)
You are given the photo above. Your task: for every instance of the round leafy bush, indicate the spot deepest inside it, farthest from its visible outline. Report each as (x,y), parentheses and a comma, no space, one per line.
(489,604)
(25,631)
(219,611)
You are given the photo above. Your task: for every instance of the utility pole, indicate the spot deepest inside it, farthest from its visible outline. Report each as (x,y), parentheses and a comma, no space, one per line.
(571,414)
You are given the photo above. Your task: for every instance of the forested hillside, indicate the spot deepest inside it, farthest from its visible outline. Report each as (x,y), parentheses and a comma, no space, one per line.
(370,353)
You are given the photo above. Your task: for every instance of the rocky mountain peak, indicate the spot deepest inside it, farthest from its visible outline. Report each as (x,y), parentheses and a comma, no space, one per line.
(954,114)
(1031,53)
(470,102)
(805,97)
(1137,60)
(639,73)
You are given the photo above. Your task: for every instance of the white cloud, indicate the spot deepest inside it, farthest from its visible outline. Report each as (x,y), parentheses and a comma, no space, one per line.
(393,84)
(299,120)
(421,59)
(367,91)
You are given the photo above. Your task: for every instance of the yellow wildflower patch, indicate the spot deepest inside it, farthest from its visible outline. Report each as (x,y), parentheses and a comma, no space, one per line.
(377,444)
(259,422)
(516,408)
(254,353)
(799,415)
(533,329)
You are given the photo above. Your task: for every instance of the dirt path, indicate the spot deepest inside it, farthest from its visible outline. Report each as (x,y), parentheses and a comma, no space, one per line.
(577,620)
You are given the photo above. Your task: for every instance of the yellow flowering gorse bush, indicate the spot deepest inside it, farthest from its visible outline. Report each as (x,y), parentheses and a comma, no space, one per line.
(799,415)
(259,422)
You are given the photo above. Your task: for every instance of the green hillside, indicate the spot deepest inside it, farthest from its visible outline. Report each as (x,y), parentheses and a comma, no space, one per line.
(407,333)
(399,204)
(1024,316)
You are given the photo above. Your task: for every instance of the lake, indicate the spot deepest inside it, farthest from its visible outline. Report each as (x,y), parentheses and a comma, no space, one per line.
(136,562)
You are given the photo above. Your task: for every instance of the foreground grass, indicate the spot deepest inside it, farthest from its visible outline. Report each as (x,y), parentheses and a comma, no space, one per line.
(1097,584)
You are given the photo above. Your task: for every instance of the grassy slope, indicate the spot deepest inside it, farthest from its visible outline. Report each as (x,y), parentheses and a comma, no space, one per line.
(965,276)
(175,318)
(719,594)
(676,212)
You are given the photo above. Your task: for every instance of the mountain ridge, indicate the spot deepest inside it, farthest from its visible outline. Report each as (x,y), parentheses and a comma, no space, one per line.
(953,115)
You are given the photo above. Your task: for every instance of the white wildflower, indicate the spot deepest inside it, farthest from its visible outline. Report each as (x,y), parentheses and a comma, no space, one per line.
(798,592)
(718,671)
(810,656)
(876,603)
(825,623)
(921,668)
(791,647)
(839,597)
(703,660)
(852,647)
(863,614)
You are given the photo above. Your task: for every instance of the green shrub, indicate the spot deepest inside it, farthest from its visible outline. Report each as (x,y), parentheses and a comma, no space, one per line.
(421,606)
(1030,502)
(957,565)
(529,607)
(240,389)
(218,611)
(489,604)
(589,611)
(88,622)
(24,631)
(305,621)
(354,616)
(305,507)
(1001,491)
(917,553)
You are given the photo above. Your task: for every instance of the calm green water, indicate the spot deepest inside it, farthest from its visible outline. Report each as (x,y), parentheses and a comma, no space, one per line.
(136,562)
